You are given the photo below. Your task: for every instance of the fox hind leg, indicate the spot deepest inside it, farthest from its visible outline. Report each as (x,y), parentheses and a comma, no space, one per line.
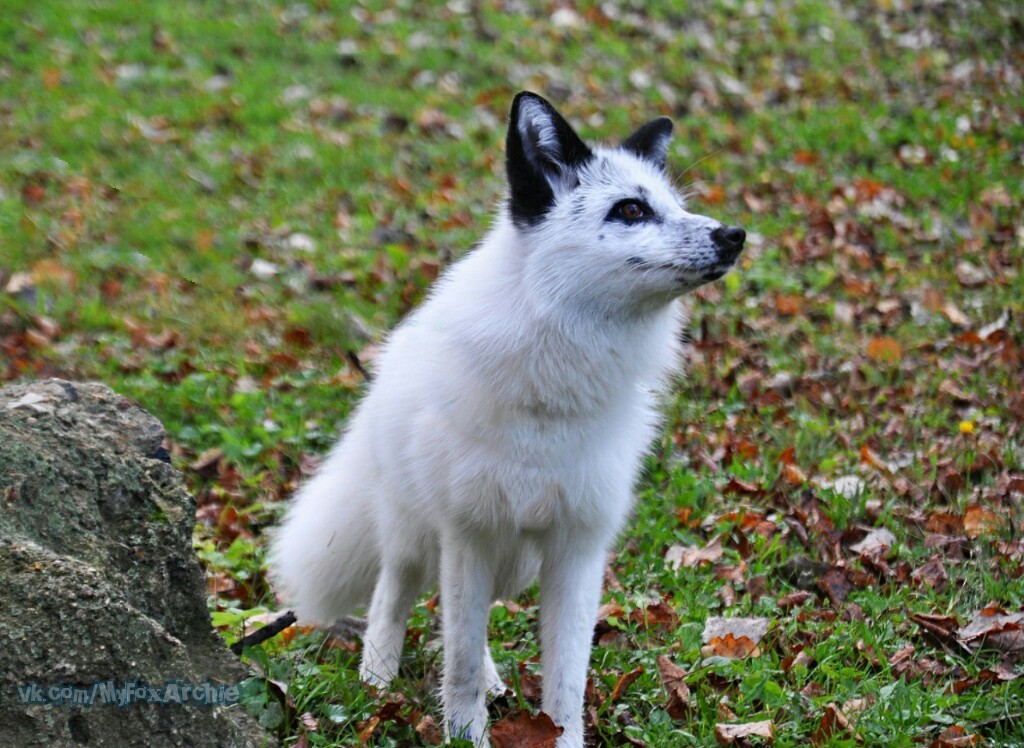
(397,588)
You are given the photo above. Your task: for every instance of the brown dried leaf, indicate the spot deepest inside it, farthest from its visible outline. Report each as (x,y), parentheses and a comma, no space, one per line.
(524,730)
(869,457)
(836,585)
(794,599)
(657,614)
(980,521)
(793,475)
(953,390)
(529,684)
(673,678)
(885,350)
(944,523)
(932,574)
(428,731)
(731,647)
(954,315)
(729,734)
(369,727)
(943,628)
(208,463)
(682,556)
(734,638)
(743,488)
(994,628)
(833,723)
(787,305)
(801,659)
(625,681)
(902,661)
(1001,674)
(955,737)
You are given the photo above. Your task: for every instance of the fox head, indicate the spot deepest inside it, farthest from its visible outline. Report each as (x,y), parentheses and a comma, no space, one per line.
(603,225)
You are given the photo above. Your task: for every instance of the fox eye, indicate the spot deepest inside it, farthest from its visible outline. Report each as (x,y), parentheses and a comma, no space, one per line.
(630,211)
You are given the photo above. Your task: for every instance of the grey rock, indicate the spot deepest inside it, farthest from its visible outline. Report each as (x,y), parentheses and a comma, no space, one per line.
(98,580)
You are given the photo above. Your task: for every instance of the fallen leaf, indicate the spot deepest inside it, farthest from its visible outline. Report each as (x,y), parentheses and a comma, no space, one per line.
(869,457)
(954,315)
(688,556)
(944,523)
(734,638)
(624,682)
(793,599)
(970,275)
(876,543)
(951,388)
(752,628)
(673,678)
(836,585)
(428,731)
(788,306)
(942,627)
(529,684)
(743,488)
(833,723)
(525,730)
(793,475)
(1001,674)
(729,734)
(51,78)
(800,659)
(932,574)
(955,737)
(994,628)
(368,728)
(980,521)
(207,464)
(885,350)
(731,647)
(847,486)
(852,706)
(902,661)
(657,614)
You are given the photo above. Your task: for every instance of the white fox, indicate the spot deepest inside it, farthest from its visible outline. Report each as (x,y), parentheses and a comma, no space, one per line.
(502,435)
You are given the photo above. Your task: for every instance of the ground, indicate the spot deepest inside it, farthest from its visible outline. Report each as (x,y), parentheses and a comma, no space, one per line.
(219,210)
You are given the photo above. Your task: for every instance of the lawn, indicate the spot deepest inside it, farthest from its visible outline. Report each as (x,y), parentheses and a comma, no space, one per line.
(220,208)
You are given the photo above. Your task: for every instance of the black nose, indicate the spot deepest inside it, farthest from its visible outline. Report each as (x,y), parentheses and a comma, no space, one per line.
(729,239)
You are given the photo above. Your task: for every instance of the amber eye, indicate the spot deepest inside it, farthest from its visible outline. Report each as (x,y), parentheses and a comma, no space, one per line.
(631,210)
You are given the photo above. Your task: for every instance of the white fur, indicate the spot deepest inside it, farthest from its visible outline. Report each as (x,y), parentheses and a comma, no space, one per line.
(502,437)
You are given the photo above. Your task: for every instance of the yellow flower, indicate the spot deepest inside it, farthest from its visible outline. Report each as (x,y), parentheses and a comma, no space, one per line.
(966,427)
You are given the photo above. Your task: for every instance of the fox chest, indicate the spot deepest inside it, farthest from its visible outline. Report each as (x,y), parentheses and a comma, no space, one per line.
(532,479)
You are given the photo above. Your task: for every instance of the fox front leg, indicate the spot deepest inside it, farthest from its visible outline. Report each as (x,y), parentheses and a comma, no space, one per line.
(570,588)
(467,585)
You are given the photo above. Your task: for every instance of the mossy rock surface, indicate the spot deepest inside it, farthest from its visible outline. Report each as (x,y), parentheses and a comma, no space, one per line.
(100,582)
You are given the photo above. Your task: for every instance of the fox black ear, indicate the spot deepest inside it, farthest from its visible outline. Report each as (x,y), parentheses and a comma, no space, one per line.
(651,141)
(542,152)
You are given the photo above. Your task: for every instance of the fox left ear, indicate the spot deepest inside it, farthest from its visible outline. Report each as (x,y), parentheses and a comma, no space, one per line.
(542,154)
(651,141)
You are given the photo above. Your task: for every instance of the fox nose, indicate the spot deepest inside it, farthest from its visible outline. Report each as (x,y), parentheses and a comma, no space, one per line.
(729,240)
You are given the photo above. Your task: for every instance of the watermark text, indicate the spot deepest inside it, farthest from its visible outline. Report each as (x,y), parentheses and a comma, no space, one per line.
(127,693)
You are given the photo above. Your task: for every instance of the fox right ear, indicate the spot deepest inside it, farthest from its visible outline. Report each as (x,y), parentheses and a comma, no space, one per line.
(651,141)
(542,152)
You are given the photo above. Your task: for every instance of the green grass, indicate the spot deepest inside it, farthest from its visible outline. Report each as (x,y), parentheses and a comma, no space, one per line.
(154,157)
